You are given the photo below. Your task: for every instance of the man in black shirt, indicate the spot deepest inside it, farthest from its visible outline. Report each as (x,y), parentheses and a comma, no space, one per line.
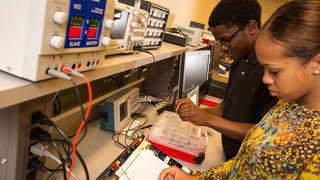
(235,23)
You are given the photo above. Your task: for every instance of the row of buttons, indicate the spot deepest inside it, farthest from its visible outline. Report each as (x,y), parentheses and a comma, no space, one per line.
(134,102)
(158,13)
(138,30)
(156,23)
(154,33)
(136,38)
(137,34)
(151,42)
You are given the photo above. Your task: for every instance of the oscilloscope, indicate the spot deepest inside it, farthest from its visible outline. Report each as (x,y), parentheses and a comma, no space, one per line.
(129,30)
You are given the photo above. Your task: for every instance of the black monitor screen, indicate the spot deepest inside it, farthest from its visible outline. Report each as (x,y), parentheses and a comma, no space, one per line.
(158,76)
(128,2)
(196,25)
(120,23)
(194,69)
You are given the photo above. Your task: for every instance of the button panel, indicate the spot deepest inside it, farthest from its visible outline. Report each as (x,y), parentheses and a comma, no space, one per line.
(158,17)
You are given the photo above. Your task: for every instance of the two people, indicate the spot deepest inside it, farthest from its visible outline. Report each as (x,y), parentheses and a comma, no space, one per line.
(285,144)
(235,23)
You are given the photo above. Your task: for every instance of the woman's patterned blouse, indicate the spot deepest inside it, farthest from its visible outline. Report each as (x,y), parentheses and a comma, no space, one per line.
(285,144)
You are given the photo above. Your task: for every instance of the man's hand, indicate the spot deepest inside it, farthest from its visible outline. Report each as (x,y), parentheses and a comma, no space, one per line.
(188,111)
(192,113)
(174,173)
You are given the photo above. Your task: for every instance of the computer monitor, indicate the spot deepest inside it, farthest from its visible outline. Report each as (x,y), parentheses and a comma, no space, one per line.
(194,70)
(196,25)
(158,76)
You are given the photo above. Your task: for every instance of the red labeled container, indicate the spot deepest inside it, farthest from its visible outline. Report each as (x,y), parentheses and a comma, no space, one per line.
(179,139)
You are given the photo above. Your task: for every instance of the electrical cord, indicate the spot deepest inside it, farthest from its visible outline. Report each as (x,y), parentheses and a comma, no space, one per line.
(136,132)
(67,150)
(81,126)
(140,71)
(59,167)
(67,140)
(42,151)
(50,175)
(59,105)
(36,164)
(82,110)
(140,127)
(139,48)
(61,159)
(58,161)
(126,134)
(148,52)
(39,118)
(56,104)
(145,105)
(83,114)
(54,110)
(82,135)
(85,130)
(43,136)
(64,76)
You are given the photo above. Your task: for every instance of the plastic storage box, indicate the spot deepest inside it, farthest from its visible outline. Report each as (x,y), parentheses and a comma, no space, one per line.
(179,139)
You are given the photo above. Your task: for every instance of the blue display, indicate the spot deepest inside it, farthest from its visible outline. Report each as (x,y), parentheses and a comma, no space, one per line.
(84,23)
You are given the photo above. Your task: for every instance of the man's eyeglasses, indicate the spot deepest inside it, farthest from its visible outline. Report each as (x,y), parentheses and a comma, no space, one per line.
(227,40)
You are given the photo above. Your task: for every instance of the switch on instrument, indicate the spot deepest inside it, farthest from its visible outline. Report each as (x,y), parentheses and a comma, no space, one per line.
(109,23)
(106,41)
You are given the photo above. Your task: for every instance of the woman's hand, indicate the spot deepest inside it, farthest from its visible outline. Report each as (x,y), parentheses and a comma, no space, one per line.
(174,173)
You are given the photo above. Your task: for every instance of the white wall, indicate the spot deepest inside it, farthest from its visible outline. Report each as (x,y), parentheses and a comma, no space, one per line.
(183,11)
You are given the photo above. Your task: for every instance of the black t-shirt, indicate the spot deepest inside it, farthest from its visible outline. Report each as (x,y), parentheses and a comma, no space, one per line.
(246,98)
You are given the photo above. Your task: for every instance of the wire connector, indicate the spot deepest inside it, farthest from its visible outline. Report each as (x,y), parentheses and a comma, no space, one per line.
(71,72)
(42,151)
(39,118)
(36,164)
(38,149)
(57,74)
(40,135)
(137,48)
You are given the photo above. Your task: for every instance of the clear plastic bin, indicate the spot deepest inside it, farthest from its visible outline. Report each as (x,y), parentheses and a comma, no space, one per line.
(170,131)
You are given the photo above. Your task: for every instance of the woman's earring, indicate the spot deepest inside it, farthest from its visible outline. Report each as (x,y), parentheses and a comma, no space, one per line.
(316,72)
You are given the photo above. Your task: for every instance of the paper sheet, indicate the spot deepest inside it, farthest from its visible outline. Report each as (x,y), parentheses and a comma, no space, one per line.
(146,166)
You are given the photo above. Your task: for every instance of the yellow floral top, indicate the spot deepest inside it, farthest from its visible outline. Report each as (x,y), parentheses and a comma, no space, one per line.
(285,144)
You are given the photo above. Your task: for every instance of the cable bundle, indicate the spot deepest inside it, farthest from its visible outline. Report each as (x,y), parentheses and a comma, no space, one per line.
(85,115)
(136,132)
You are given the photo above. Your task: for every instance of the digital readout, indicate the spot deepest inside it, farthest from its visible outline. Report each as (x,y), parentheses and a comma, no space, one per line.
(94,22)
(77,21)
(92,33)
